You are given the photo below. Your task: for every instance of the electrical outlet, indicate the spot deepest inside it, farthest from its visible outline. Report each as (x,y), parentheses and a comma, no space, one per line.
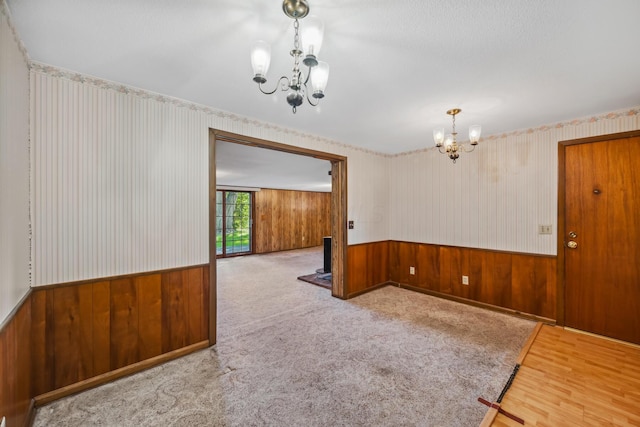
(412,270)
(465,280)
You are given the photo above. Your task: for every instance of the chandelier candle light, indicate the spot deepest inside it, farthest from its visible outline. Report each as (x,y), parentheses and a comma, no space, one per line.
(451,146)
(307,41)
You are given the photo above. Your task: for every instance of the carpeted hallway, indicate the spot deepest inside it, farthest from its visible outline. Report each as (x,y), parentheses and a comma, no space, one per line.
(288,354)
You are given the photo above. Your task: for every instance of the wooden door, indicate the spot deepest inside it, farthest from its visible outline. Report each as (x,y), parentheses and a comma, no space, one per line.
(602,213)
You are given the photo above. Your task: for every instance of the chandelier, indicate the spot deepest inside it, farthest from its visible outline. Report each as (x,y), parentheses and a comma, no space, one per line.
(451,147)
(307,40)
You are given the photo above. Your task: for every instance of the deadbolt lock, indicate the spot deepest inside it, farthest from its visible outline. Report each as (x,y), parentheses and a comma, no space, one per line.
(571,244)
(573,234)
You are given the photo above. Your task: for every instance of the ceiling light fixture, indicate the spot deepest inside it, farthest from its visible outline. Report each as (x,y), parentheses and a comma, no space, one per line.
(451,146)
(308,40)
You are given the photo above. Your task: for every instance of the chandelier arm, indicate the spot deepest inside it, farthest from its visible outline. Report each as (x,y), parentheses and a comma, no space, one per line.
(306,80)
(442,152)
(283,84)
(306,94)
(464,147)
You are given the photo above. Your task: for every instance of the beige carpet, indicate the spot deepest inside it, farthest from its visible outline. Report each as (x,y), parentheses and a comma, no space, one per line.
(288,354)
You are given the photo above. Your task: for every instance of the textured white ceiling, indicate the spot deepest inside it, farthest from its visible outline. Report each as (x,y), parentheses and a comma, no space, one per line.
(244,166)
(396,67)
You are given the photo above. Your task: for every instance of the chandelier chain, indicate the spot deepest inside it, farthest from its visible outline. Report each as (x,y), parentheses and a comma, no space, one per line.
(454,127)
(296,83)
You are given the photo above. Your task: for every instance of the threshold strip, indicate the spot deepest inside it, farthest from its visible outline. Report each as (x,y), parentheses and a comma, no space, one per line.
(494,408)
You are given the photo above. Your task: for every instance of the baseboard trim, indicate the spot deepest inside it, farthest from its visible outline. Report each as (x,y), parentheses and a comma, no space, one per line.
(604,337)
(59,393)
(474,303)
(369,289)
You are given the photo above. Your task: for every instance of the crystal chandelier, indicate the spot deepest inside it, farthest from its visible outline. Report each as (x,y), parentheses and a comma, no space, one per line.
(451,147)
(307,40)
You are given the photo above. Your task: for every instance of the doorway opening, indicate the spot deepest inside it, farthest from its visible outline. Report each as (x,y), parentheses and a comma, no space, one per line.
(339,286)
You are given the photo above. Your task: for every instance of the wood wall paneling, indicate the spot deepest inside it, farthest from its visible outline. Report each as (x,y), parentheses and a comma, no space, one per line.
(23,364)
(210,299)
(287,219)
(367,266)
(149,292)
(124,323)
(522,282)
(195,304)
(425,259)
(4,367)
(495,278)
(533,275)
(80,331)
(42,342)
(101,293)
(15,366)
(174,311)
(8,360)
(73,332)
(458,260)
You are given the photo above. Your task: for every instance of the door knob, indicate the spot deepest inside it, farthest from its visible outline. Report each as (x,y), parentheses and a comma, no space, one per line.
(571,244)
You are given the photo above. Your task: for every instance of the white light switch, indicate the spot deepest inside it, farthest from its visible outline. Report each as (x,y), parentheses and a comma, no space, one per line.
(545,229)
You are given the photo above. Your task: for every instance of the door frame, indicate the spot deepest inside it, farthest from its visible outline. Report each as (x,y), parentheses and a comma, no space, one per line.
(339,286)
(560,270)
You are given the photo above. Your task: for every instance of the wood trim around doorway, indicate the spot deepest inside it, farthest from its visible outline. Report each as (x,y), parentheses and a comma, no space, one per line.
(562,145)
(338,212)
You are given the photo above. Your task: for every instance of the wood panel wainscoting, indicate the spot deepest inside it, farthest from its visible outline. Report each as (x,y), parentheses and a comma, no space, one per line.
(69,337)
(15,366)
(367,267)
(287,219)
(522,283)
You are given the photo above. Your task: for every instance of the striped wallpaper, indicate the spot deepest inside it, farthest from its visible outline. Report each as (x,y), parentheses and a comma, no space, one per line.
(120,181)
(121,178)
(494,197)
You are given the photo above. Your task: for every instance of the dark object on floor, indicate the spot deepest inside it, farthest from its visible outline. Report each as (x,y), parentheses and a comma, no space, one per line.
(327,254)
(320,279)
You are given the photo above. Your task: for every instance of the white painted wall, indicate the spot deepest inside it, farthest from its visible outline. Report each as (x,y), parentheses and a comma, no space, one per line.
(121,178)
(14,168)
(494,197)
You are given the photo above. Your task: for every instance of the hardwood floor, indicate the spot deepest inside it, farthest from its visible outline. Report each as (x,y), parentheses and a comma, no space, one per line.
(572,379)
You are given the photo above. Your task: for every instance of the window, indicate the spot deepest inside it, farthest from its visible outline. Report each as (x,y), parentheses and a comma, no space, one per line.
(233,223)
